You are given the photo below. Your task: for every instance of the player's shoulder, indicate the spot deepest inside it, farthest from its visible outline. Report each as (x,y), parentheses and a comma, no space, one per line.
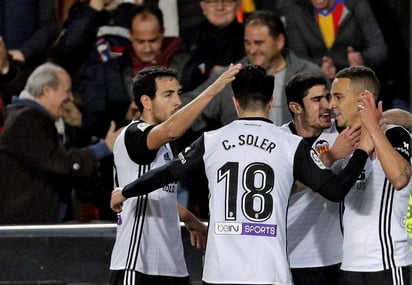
(138,125)
(397,128)
(397,132)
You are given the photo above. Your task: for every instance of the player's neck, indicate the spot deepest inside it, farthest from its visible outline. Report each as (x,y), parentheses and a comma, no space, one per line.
(303,129)
(148,118)
(253,114)
(307,132)
(354,123)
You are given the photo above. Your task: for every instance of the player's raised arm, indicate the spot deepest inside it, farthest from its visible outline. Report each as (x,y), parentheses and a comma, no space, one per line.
(396,167)
(180,121)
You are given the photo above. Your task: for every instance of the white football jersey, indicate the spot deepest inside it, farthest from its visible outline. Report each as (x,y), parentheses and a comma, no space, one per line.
(374,217)
(314,232)
(250,167)
(250,179)
(148,238)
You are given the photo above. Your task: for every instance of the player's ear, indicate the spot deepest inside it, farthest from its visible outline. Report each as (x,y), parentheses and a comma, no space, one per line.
(271,102)
(146,102)
(236,103)
(295,107)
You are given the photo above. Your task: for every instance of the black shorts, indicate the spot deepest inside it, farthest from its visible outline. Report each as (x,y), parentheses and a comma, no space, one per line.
(117,277)
(396,276)
(325,275)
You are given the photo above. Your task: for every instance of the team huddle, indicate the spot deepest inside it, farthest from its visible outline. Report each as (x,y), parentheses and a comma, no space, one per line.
(273,194)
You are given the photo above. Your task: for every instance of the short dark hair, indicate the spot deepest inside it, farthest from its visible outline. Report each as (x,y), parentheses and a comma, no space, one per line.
(267,18)
(298,85)
(362,78)
(147,9)
(253,87)
(144,82)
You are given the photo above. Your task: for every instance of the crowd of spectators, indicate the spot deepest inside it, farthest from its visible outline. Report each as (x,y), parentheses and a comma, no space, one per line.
(103,44)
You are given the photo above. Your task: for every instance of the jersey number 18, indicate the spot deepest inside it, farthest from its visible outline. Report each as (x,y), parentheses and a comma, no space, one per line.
(257,184)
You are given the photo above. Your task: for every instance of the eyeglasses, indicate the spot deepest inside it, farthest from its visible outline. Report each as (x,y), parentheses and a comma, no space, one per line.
(224,2)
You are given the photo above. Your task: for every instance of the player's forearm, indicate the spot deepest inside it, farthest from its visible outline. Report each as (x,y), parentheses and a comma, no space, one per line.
(338,186)
(149,182)
(184,214)
(328,158)
(182,211)
(181,121)
(178,123)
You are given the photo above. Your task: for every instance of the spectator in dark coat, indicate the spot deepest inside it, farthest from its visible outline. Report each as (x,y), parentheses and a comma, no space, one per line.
(106,86)
(28,27)
(32,158)
(214,43)
(335,34)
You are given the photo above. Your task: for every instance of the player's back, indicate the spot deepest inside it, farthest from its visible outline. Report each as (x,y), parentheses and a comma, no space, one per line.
(249,165)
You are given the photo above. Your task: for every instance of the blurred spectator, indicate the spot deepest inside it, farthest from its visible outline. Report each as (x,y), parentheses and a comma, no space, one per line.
(33,159)
(99,29)
(14,74)
(170,14)
(104,80)
(335,34)
(27,28)
(264,42)
(106,86)
(94,31)
(214,43)
(190,15)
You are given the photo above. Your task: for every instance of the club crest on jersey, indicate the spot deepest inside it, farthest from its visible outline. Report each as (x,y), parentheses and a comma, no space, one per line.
(316,159)
(142,126)
(322,146)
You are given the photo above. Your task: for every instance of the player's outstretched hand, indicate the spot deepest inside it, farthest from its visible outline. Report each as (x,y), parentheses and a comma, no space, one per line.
(198,232)
(224,79)
(116,202)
